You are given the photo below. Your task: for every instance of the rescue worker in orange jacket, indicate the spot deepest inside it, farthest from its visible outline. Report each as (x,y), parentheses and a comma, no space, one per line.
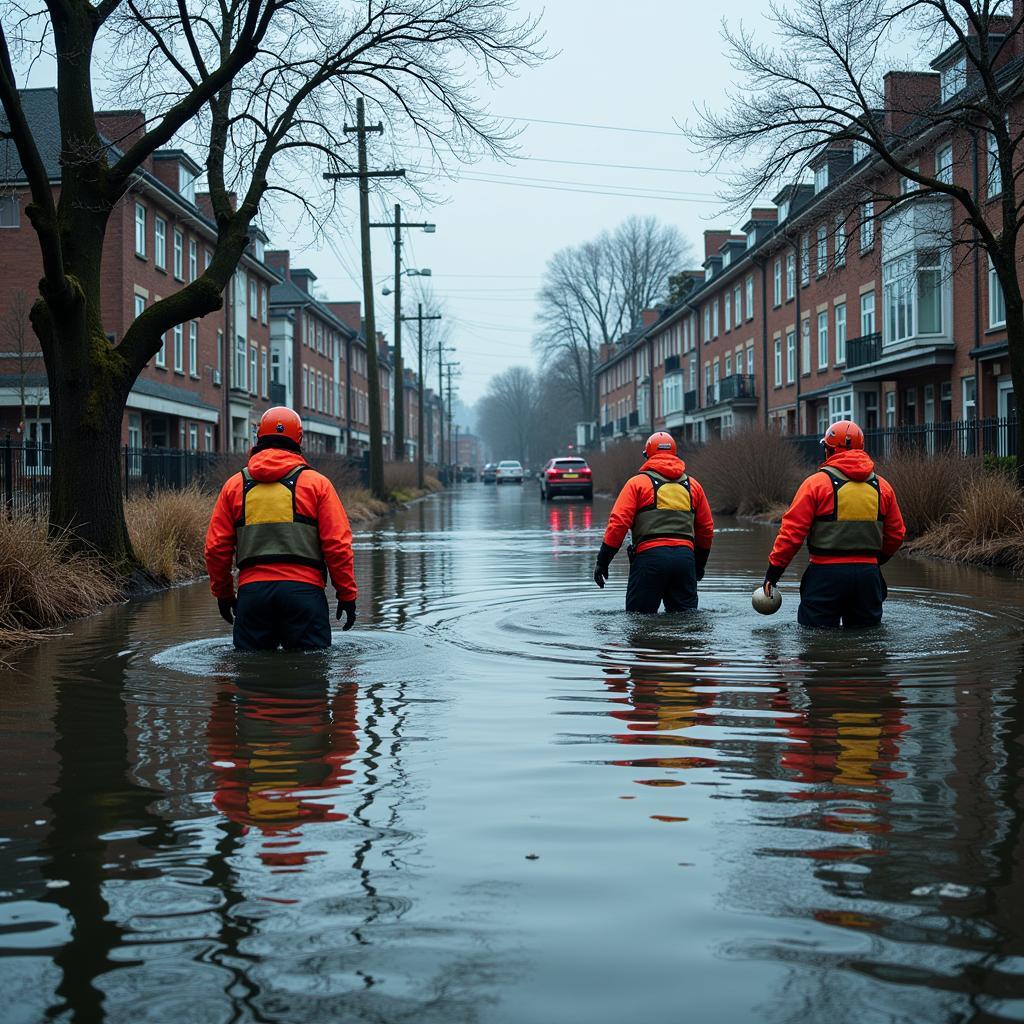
(285,527)
(851,521)
(670,521)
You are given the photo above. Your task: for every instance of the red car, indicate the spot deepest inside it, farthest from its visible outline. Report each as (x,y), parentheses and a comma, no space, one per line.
(568,476)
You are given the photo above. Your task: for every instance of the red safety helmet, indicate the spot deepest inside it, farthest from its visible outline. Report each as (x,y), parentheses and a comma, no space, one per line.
(844,435)
(662,441)
(280,422)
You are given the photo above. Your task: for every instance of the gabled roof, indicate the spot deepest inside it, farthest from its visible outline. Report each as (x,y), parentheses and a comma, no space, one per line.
(288,295)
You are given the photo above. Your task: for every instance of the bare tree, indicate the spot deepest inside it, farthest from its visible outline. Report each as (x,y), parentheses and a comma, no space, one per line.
(263,88)
(821,86)
(594,292)
(505,413)
(24,351)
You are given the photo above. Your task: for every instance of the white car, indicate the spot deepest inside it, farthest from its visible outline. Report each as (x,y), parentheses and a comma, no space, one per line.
(509,472)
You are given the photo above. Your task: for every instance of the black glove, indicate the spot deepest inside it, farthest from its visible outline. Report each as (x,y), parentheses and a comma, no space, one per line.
(700,560)
(349,608)
(226,606)
(604,561)
(772,576)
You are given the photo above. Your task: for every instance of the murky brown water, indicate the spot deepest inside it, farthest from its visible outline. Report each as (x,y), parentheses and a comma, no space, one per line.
(732,819)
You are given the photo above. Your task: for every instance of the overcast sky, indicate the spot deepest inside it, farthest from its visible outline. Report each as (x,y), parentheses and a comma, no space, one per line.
(639,65)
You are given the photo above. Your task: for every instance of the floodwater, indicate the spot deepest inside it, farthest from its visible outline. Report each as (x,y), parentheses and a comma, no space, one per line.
(500,799)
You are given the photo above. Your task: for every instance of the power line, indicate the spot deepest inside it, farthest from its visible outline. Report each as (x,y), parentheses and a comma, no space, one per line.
(591,184)
(595,192)
(601,127)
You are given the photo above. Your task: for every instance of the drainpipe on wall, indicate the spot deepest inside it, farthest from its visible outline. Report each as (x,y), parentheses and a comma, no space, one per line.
(225,378)
(650,376)
(977,301)
(764,337)
(799,354)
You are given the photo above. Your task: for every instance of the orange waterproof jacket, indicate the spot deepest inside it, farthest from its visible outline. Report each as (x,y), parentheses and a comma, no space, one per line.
(315,498)
(816,498)
(639,493)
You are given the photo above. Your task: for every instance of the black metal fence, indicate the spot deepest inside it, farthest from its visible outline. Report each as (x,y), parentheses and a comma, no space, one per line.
(975,438)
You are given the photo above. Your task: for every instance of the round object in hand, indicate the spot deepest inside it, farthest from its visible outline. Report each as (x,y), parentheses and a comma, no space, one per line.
(763,603)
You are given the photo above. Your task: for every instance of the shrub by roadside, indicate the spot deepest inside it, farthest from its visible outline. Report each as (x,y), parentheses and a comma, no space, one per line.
(928,487)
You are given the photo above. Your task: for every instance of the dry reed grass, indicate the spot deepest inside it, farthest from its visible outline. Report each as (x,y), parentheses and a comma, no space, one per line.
(748,473)
(986,526)
(928,487)
(168,531)
(401,481)
(613,467)
(43,583)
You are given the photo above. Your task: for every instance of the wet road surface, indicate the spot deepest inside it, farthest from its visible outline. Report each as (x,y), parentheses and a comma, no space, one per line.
(500,799)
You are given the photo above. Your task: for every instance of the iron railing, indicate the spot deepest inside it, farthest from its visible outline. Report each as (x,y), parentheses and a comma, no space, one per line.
(736,386)
(634,418)
(994,436)
(690,401)
(672,364)
(863,351)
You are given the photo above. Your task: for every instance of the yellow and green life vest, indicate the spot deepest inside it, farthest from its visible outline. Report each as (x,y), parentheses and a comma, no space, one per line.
(855,525)
(670,513)
(270,530)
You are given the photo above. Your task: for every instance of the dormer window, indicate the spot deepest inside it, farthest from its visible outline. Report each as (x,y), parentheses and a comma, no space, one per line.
(726,258)
(709,272)
(953,79)
(186,184)
(860,150)
(258,248)
(751,239)
(820,178)
(783,210)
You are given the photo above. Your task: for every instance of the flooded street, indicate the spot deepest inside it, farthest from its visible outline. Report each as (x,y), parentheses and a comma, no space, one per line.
(500,799)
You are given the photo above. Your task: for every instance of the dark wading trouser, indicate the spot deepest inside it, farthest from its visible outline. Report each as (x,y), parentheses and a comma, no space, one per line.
(852,594)
(662,574)
(282,614)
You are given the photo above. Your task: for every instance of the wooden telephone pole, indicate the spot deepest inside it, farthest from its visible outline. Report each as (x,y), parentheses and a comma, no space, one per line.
(361,130)
(420,440)
(397,226)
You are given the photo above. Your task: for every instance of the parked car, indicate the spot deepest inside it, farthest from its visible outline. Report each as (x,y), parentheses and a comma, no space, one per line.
(489,473)
(566,477)
(467,474)
(509,472)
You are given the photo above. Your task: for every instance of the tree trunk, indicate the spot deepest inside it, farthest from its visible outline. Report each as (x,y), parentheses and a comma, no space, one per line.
(1015,348)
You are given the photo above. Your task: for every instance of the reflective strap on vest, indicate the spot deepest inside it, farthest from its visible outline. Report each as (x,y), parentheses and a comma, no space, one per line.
(670,514)
(855,525)
(270,530)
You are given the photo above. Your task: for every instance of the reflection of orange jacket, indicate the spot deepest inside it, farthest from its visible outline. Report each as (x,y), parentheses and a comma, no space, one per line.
(816,497)
(315,498)
(639,492)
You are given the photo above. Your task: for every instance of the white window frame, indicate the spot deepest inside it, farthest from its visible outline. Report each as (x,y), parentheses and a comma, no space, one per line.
(179,255)
(805,259)
(159,243)
(867,226)
(161,355)
(179,348)
(193,348)
(778,362)
(714,319)
(193,259)
(944,163)
(840,241)
(790,276)
(821,178)
(821,254)
(993,177)
(10,212)
(777,284)
(840,318)
(791,356)
(953,79)
(140,230)
(996,299)
(868,307)
(727,312)
(749,285)
(823,340)
(140,305)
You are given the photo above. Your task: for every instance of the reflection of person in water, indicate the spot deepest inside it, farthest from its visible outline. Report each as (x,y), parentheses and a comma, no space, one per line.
(280,756)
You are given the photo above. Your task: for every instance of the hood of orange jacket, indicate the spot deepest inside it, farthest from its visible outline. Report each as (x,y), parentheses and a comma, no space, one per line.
(269,464)
(855,464)
(664,464)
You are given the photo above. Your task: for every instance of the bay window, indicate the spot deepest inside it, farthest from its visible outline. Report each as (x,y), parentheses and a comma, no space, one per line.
(912,295)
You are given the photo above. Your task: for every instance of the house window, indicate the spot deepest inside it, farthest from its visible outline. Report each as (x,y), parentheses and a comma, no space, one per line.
(161,356)
(969,388)
(778,362)
(159,243)
(840,241)
(790,356)
(994,179)
(805,346)
(823,340)
(841,333)
(928,294)
(750,297)
(208,439)
(996,299)
(805,259)
(193,437)
(179,349)
(254,356)
(910,406)
(240,364)
(867,226)
(890,409)
(908,185)
(821,178)
(750,360)
(264,374)
(252,299)
(193,259)
(263,303)
(714,319)
(728,312)
(179,255)
(860,150)
(840,407)
(912,295)
(305,385)
(953,79)
(140,230)
(207,259)
(140,305)
(10,212)
(944,164)
(220,355)
(737,308)
(822,253)
(790,276)
(867,313)
(186,183)
(193,348)
(728,364)
(777,284)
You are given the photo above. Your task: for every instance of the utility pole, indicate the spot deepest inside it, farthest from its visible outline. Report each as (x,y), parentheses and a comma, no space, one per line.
(399,366)
(361,130)
(420,440)
(451,457)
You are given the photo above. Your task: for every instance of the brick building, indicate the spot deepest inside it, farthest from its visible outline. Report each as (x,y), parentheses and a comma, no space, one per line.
(832,304)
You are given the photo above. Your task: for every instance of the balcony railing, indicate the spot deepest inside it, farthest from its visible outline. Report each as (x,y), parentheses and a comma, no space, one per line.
(607,429)
(863,351)
(634,419)
(739,385)
(621,425)
(278,394)
(672,364)
(690,401)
